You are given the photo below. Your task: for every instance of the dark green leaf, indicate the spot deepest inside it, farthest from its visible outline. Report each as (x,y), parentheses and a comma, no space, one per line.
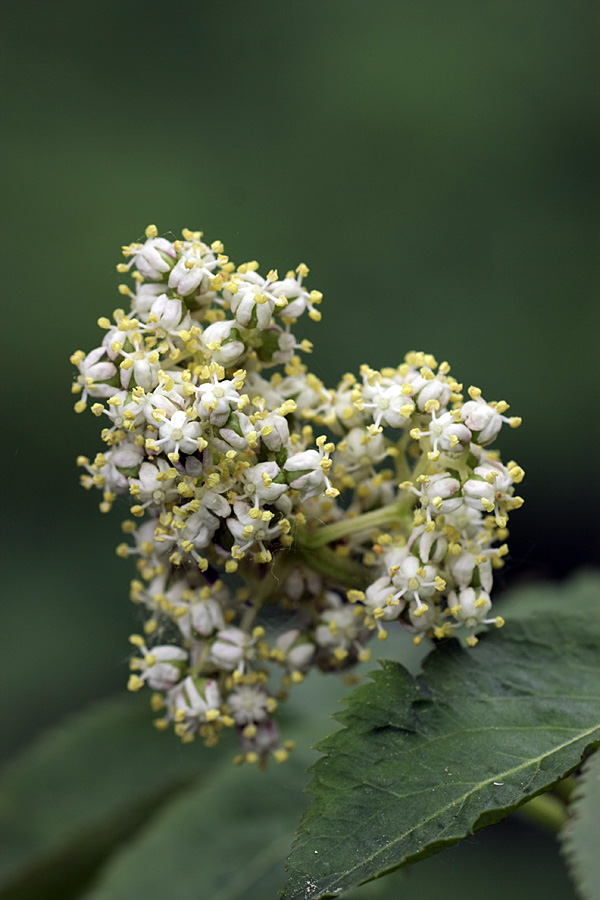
(83,788)
(581,837)
(423,762)
(227,839)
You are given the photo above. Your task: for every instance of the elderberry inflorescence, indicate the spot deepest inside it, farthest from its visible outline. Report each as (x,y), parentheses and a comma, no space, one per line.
(254,486)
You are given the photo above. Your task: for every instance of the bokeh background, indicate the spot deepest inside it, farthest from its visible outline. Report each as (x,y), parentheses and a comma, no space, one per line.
(434,163)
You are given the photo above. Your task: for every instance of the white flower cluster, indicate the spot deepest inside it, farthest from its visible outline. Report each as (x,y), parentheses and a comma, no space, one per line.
(252,485)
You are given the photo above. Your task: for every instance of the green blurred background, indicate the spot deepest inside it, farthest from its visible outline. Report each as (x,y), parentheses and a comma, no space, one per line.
(434,163)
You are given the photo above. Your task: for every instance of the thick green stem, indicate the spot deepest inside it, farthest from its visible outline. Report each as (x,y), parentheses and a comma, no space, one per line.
(546,810)
(377,518)
(327,562)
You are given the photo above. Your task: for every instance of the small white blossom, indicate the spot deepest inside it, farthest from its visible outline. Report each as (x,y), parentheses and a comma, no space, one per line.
(229,649)
(248,703)
(179,433)
(470,607)
(154,258)
(214,400)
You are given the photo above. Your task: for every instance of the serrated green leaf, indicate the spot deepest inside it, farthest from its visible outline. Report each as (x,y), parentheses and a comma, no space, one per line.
(581,837)
(81,789)
(423,762)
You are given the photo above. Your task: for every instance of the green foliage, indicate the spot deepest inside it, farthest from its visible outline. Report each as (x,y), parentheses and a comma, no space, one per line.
(227,840)
(107,793)
(105,808)
(581,837)
(82,789)
(423,762)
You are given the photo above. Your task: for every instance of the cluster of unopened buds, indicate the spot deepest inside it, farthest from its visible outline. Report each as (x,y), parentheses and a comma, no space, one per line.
(278,524)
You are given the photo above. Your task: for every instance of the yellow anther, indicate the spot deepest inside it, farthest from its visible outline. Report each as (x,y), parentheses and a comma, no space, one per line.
(151,231)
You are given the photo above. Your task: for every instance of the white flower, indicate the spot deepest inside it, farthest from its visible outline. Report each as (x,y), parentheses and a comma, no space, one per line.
(360,451)
(308,393)
(423,618)
(492,488)
(274,431)
(191,275)
(168,315)
(390,403)
(470,607)
(297,648)
(124,411)
(261,486)
(485,419)
(340,630)
(248,703)
(154,258)
(206,616)
(161,667)
(380,601)
(195,698)
(214,400)
(200,527)
(432,389)
(229,649)
(179,433)
(446,434)
(301,579)
(415,582)
(248,530)
(155,483)
(438,493)
(144,297)
(432,544)
(94,371)
(126,455)
(462,567)
(251,299)
(220,345)
(298,298)
(313,466)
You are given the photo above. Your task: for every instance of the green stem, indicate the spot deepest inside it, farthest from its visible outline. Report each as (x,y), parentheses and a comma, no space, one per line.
(403,469)
(377,518)
(265,589)
(546,810)
(327,562)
